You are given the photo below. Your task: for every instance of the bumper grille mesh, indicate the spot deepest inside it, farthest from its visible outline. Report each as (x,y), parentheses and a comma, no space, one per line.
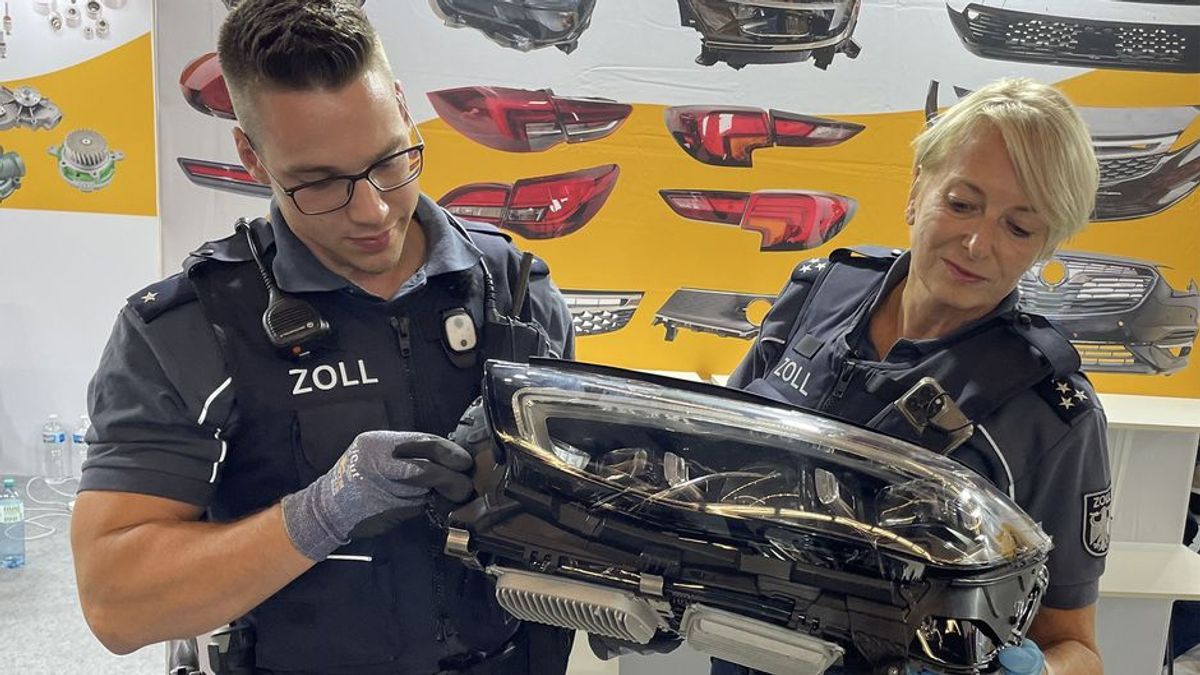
(599,313)
(1091,287)
(1070,39)
(1104,356)
(1127,168)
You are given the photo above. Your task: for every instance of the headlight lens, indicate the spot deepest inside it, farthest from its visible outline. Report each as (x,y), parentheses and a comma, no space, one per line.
(639,447)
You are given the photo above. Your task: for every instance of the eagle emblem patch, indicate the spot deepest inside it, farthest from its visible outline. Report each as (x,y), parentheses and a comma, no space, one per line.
(1097,522)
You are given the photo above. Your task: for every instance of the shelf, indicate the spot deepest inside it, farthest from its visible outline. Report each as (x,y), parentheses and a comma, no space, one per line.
(1151,412)
(1151,571)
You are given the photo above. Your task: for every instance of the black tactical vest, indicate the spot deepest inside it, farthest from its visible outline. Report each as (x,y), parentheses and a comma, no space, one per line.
(391,603)
(813,363)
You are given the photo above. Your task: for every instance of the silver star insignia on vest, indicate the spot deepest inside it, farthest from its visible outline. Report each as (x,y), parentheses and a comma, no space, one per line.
(806,267)
(1067,403)
(150,296)
(1062,386)
(821,264)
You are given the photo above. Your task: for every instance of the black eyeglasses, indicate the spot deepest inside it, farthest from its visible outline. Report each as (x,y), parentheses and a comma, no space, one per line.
(330,194)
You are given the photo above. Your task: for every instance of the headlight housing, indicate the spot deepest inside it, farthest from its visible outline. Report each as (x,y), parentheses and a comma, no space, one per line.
(521,24)
(741,32)
(704,500)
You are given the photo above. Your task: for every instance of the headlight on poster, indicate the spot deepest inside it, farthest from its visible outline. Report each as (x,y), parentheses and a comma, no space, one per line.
(521,24)
(741,32)
(665,505)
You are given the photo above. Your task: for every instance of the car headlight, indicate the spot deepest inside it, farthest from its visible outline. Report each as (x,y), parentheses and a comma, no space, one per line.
(740,32)
(694,498)
(521,24)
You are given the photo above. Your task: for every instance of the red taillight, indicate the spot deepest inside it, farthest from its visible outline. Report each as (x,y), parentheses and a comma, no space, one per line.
(786,220)
(523,120)
(727,136)
(220,176)
(481,201)
(711,205)
(204,87)
(537,208)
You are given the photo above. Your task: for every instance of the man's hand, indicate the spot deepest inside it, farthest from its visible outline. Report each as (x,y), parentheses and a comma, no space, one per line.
(381,472)
(1023,659)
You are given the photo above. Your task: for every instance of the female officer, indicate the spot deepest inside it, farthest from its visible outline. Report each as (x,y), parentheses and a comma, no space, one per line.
(1000,180)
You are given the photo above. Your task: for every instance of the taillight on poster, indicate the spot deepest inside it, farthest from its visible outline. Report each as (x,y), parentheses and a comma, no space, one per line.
(524,120)
(537,208)
(787,220)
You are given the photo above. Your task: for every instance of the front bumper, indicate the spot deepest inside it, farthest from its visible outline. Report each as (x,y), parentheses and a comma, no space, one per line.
(1120,314)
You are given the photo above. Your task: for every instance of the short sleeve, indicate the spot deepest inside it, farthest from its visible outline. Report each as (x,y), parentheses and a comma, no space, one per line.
(1069,491)
(152,428)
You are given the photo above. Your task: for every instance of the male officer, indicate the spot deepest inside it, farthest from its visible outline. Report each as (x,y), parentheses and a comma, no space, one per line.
(257,417)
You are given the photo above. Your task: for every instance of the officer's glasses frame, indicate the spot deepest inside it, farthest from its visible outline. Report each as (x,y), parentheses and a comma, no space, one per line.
(330,194)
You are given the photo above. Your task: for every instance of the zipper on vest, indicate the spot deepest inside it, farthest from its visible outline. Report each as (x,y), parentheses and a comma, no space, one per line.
(839,388)
(400,325)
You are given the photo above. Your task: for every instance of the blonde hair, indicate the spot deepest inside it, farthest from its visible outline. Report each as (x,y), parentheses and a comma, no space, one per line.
(1048,144)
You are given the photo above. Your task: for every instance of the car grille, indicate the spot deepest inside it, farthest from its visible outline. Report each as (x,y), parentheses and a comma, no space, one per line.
(596,313)
(1104,356)
(1126,168)
(1096,43)
(1091,287)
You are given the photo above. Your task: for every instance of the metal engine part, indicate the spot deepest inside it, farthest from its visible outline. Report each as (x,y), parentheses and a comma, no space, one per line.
(114,4)
(85,161)
(56,21)
(72,16)
(7,21)
(93,9)
(102,28)
(12,169)
(25,106)
(42,6)
(89,32)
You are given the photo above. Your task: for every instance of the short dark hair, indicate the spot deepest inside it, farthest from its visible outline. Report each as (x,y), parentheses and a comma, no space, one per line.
(295,45)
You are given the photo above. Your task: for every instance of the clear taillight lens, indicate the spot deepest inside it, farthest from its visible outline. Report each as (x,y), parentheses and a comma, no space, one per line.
(204,88)
(726,136)
(788,220)
(225,177)
(537,208)
(524,120)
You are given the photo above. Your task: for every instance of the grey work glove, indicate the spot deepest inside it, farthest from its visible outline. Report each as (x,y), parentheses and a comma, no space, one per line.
(381,472)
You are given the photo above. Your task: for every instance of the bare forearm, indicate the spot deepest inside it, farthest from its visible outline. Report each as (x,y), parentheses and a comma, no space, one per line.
(175,578)
(1072,658)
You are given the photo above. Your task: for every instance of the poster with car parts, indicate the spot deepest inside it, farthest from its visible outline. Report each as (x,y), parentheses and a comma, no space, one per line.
(673,161)
(77,106)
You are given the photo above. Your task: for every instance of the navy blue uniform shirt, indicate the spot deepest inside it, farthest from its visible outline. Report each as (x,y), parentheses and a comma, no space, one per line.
(162,387)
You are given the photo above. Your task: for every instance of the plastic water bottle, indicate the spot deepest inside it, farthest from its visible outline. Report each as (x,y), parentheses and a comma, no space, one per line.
(12,526)
(79,446)
(54,449)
